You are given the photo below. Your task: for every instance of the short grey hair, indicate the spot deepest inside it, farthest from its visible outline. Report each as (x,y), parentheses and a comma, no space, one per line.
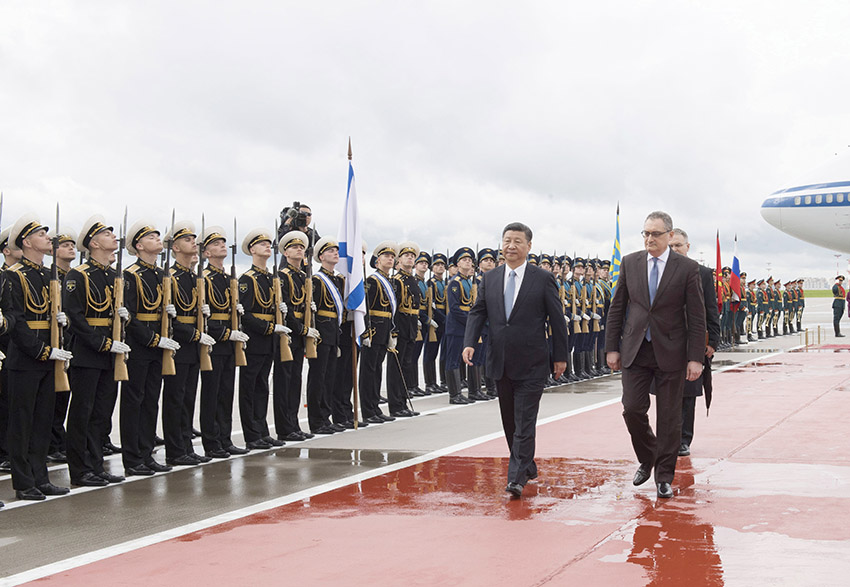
(681,233)
(663,217)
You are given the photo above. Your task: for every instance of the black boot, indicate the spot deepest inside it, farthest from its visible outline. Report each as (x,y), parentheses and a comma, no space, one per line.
(603,364)
(430,372)
(588,364)
(443,387)
(474,392)
(579,372)
(453,380)
(490,384)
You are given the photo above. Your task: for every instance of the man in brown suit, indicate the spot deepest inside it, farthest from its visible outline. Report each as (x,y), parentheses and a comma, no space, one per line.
(656,332)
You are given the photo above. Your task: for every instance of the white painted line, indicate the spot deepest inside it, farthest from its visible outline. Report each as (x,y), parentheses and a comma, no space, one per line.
(104,553)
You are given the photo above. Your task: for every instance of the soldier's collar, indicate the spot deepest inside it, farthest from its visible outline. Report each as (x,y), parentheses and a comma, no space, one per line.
(62,271)
(326,272)
(181,267)
(293,267)
(403,272)
(27,263)
(384,273)
(97,265)
(145,264)
(215,269)
(262,270)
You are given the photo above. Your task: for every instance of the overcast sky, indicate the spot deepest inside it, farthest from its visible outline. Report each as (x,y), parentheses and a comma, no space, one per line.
(463,116)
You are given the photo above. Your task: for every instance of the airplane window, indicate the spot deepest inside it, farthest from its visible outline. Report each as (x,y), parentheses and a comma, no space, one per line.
(818,199)
(829,198)
(797,201)
(839,198)
(808,199)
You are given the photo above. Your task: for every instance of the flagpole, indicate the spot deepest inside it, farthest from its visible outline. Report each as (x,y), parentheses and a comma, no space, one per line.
(356,395)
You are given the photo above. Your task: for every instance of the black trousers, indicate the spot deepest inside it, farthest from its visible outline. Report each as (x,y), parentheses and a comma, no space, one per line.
(837,314)
(178,408)
(519,402)
(371,364)
(31,398)
(57,428)
(397,371)
(139,409)
(217,402)
(287,389)
(342,410)
(689,406)
(658,449)
(4,412)
(320,379)
(93,396)
(254,396)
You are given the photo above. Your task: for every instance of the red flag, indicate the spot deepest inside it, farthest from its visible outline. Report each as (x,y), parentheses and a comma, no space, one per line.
(719,277)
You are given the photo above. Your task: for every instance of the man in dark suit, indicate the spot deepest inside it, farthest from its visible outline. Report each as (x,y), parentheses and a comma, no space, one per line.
(517,299)
(656,334)
(693,389)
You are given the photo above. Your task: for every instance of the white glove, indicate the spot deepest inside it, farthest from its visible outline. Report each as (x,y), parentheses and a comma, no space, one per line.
(240,309)
(567,320)
(283,308)
(434,305)
(57,354)
(312,333)
(123,313)
(171,310)
(585,317)
(119,348)
(596,316)
(366,341)
(168,343)
(205,310)
(281,329)
(434,324)
(206,339)
(313,306)
(338,352)
(61,318)
(2,355)
(392,344)
(238,336)
(577,317)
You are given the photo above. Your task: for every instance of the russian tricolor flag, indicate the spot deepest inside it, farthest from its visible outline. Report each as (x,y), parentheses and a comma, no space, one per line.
(735,278)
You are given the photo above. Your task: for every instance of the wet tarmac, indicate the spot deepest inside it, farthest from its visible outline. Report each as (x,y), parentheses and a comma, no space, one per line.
(762,500)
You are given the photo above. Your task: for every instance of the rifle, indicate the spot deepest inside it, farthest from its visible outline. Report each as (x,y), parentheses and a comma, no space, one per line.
(201,320)
(285,351)
(584,323)
(310,344)
(593,309)
(429,299)
(120,367)
(235,320)
(165,330)
(60,377)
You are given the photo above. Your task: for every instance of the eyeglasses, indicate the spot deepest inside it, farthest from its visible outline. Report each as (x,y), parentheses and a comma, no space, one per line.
(654,234)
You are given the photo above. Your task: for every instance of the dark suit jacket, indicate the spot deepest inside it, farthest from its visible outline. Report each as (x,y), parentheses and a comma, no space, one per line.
(518,348)
(712,324)
(676,317)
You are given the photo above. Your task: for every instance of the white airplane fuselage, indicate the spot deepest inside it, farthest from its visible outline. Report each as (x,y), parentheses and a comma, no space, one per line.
(815,213)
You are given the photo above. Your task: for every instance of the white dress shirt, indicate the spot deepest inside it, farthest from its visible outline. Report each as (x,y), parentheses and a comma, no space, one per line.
(520,273)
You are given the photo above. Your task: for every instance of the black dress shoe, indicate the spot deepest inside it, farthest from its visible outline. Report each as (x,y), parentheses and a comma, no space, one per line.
(110,478)
(273,441)
(360,424)
(140,470)
(57,457)
(432,389)
(415,392)
(5,466)
(684,450)
(51,489)
(374,420)
(31,494)
(382,400)
(258,445)
(459,399)
(195,433)
(515,489)
(338,427)
(158,441)
(200,458)
(478,396)
(107,451)
(113,448)
(90,480)
(404,414)
(642,475)
(294,437)
(181,461)
(157,467)
(386,418)
(218,453)
(235,450)
(665,490)
(324,430)
(349,425)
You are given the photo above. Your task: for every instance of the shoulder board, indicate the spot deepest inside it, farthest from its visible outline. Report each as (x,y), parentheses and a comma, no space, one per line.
(456,278)
(207,272)
(286,270)
(16,267)
(132,269)
(172,271)
(249,273)
(82,267)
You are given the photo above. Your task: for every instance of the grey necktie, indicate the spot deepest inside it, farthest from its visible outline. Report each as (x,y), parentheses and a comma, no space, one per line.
(509,294)
(653,287)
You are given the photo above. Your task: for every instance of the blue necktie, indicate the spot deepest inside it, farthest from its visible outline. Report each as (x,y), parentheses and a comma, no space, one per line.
(509,294)
(653,287)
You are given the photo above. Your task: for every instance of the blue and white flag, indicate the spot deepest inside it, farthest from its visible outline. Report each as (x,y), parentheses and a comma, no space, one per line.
(351,260)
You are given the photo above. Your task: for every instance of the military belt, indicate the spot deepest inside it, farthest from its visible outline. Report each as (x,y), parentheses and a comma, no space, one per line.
(187,319)
(380,313)
(441,306)
(409,312)
(327,313)
(38,324)
(297,314)
(464,308)
(148,317)
(219,316)
(266,317)
(99,321)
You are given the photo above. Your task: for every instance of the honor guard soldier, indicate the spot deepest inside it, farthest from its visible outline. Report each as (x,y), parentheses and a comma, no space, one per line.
(66,252)
(381,306)
(88,300)
(10,257)
(328,290)
(287,375)
(595,305)
(216,406)
(777,306)
(753,307)
(533,259)
(546,261)
(742,311)
(486,262)
(257,296)
(838,303)
(420,267)
(566,294)
(400,367)
(460,298)
(788,309)
(437,296)
(31,360)
(801,304)
(179,390)
(140,393)
(608,294)
(579,303)
(769,292)
(726,314)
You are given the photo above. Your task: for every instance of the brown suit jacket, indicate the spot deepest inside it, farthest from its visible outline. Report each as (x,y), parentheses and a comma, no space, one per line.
(676,317)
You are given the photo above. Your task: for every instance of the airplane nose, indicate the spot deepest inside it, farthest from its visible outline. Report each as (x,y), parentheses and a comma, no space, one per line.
(771,214)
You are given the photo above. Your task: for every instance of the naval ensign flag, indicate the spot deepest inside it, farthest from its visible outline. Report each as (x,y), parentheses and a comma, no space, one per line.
(350,258)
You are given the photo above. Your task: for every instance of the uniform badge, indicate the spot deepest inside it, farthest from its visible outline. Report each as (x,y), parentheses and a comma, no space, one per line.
(70,285)
(243,287)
